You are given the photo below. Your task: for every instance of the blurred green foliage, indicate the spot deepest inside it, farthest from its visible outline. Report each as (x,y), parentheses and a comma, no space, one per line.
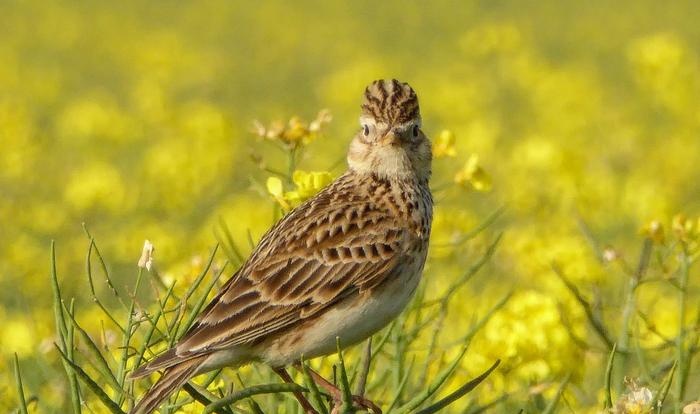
(582,120)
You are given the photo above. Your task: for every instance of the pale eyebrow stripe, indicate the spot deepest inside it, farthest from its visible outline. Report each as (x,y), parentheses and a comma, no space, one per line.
(407,125)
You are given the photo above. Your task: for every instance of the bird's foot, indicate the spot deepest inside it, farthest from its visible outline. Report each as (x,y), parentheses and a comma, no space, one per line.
(336,394)
(305,404)
(358,401)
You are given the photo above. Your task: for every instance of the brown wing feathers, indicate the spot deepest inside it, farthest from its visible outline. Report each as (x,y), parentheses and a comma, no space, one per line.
(319,262)
(172,378)
(351,237)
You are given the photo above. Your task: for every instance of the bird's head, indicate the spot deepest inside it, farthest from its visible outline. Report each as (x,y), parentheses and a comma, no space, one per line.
(390,142)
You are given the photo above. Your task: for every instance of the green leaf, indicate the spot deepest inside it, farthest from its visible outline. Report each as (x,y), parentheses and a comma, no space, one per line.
(63,331)
(459,393)
(152,328)
(20,389)
(121,371)
(402,385)
(347,406)
(608,377)
(201,301)
(101,363)
(662,392)
(250,391)
(92,385)
(315,393)
(434,386)
(88,269)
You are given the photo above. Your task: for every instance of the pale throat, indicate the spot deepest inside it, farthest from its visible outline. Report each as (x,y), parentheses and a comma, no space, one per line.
(385,161)
(369,156)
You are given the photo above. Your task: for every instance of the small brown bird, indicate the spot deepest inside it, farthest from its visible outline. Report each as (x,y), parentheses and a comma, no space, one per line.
(343,264)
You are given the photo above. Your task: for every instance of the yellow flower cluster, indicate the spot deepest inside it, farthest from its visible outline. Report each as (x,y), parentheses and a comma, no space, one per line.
(473,175)
(306,185)
(682,228)
(685,229)
(528,335)
(637,400)
(444,145)
(294,133)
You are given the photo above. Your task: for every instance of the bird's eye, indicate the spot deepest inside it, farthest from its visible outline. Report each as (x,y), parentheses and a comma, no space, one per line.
(415,130)
(366,130)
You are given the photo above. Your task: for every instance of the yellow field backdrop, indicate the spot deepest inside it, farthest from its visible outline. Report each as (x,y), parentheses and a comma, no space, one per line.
(581,121)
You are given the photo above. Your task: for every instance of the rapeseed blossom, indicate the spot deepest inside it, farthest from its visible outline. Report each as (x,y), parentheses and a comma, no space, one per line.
(306,185)
(296,132)
(444,145)
(637,400)
(473,175)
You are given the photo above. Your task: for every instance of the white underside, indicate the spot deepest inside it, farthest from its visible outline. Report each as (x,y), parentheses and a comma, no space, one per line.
(352,321)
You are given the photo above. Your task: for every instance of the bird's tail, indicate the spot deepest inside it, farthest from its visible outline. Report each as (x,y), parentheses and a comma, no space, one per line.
(172,379)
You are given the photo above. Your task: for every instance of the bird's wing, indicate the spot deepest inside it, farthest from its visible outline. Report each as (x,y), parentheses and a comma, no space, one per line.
(330,247)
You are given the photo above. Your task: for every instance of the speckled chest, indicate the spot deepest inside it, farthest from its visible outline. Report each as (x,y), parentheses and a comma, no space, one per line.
(407,199)
(351,213)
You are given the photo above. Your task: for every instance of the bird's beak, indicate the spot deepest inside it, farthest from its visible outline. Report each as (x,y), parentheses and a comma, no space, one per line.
(390,139)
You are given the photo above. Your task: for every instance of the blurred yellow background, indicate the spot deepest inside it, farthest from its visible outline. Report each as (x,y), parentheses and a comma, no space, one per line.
(136,118)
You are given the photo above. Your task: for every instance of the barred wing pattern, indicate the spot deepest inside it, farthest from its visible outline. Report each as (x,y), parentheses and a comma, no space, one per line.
(339,243)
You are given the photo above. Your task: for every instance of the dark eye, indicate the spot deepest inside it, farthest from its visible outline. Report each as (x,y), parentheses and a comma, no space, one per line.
(415,130)
(366,130)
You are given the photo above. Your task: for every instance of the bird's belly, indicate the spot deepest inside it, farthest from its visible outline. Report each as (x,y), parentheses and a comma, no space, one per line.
(352,321)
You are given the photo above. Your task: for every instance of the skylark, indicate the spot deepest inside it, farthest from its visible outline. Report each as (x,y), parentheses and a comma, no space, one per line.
(343,264)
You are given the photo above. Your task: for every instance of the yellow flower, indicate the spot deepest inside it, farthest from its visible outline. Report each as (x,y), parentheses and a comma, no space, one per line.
(296,132)
(473,175)
(655,231)
(276,190)
(98,185)
(684,228)
(217,384)
(444,145)
(665,67)
(491,39)
(307,184)
(18,336)
(85,118)
(637,400)
(527,334)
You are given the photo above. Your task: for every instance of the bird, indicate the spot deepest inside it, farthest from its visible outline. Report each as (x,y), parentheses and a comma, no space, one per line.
(340,266)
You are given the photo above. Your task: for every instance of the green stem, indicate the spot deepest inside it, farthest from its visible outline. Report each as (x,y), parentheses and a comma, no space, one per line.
(20,389)
(681,355)
(660,394)
(365,364)
(347,406)
(121,374)
(608,378)
(91,283)
(627,311)
(398,362)
(460,392)
(629,308)
(249,392)
(291,163)
(63,333)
